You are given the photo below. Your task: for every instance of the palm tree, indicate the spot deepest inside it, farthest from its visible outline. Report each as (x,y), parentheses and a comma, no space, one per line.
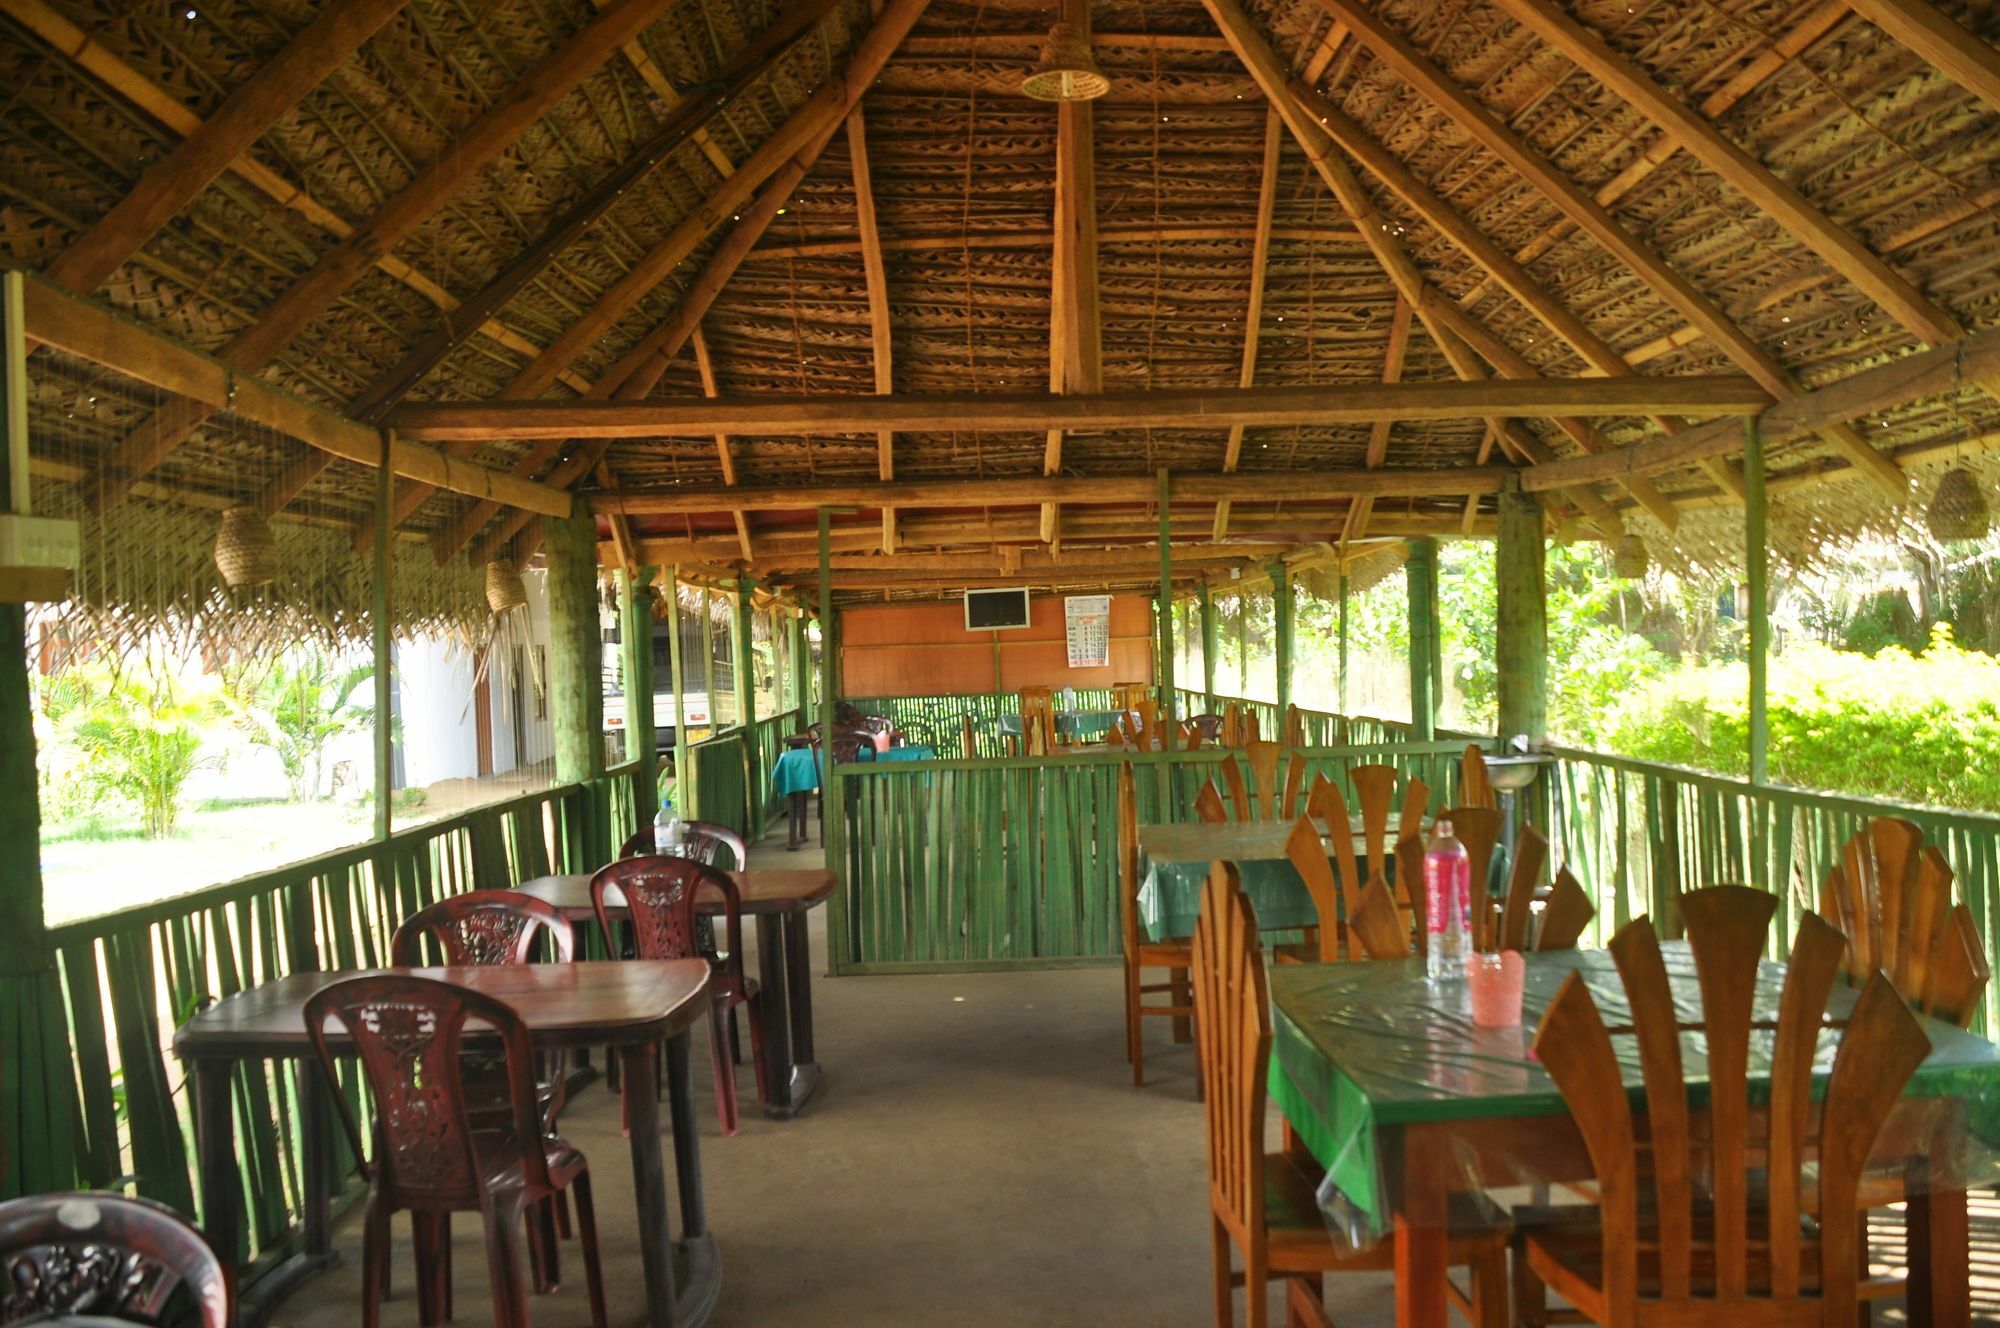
(297,707)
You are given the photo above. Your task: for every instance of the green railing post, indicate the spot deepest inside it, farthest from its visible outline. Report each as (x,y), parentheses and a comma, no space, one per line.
(1208,649)
(1284,623)
(801,666)
(635,633)
(708,660)
(677,667)
(746,709)
(1421,569)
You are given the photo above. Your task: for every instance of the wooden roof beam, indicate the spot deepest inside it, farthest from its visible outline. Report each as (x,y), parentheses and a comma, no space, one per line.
(1697,396)
(1076,338)
(550,80)
(1356,526)
(1961,56)
(1791,209)
(876,273)
(725,451)
(1034,236)
(1253,313)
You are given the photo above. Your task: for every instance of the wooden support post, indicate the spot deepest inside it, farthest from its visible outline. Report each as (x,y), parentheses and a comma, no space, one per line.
(1758,571)
(1421,567)
(383,650)
(1283,606)
(833,836)
(1343,645)
(746,711)
(1521,638)
(1164,665)
(801,697)
(677,666)
(576,649)
(635,637)
(1208,649)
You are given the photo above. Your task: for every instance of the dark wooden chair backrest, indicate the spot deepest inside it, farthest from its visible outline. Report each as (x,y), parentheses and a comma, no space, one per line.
(1128,857)
(1128,695)
(109,1257)
(482,927)
(1410,888)
(1208,804)
(1881,1047)
(1891,898)
(1328,804)
(1232,1022)
(1038,721)
(1209,726)
(1239,790)
(407,1033)
(1295,727)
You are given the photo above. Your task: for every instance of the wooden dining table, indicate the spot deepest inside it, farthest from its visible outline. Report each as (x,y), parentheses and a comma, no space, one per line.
(634,1006)
(779,902)
(1384,1079)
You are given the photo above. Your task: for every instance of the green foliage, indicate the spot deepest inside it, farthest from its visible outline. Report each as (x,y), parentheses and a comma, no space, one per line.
(297,707)
(131,737)
(1915,727)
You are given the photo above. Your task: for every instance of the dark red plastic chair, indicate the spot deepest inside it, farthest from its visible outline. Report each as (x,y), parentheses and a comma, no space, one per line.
(482,927)
(704,842)
(659,894)
(408,1033)
(109,1257)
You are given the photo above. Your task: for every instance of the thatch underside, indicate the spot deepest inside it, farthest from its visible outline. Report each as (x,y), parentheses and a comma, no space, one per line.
(962,187)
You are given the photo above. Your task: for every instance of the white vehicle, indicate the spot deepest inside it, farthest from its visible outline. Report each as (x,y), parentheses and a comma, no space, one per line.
(664,718)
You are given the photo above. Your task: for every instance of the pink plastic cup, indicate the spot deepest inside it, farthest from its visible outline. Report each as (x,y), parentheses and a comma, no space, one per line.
(1495,981)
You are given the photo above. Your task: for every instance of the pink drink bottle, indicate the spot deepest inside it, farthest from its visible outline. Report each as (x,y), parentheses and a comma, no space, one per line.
(1447,899)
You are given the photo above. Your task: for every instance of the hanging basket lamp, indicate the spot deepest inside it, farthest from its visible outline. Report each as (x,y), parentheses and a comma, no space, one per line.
(505,591)
(1958,509)
(246,553)
(1629,558)
(1067,70)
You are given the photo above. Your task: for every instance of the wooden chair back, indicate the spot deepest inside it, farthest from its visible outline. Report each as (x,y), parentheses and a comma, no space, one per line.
(1262,758)
(1128,695)
(106,1255)
(1295,726)
(1375,791)
(704,841)
(1239,791)
(1566,915)
(480,928)
(1475,787)
(1232,1021)
(1379,927)
(1190,736)
(1038,721)
(1410,889)
(1128,857)
(1208,804)
(968,738)
(1146,728)
(1524,877)
(1478,828)
(1327,804)
(1891,898)
(1881,1047)
(407,1033)
(1308,857)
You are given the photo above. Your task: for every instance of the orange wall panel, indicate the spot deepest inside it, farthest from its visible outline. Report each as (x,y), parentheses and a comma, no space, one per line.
(925,650)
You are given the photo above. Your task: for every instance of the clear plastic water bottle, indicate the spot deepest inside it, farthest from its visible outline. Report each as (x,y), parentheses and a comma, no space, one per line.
(668,832)
(1447,904)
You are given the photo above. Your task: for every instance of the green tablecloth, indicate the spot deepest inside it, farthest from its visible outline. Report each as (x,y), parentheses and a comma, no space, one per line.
(1070,723)
(797,772)
(1361,1048)
(1174,861)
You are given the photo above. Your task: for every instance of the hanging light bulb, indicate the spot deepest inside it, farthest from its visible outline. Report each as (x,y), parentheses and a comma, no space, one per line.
(1067,70)
(246,553)
(1958,509)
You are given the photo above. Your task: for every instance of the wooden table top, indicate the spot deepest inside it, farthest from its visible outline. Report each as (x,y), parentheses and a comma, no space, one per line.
(587,1003)
(782,890)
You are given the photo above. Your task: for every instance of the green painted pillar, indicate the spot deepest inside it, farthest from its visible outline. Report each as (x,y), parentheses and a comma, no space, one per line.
(383,650)
(801,667)
(1343,643)
(1421,569)
(677,668)
(1521,636)
(708,660)
(746,709)
(1284,625)
(576,648)
(833,795)
(635,636)
(1208,640)
(1757,561)
(1164,666)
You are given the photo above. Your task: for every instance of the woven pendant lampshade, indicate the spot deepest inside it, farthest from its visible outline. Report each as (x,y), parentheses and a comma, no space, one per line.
(246,553)
(505,591)
(1958,509)
(1629,558)
(1067,70)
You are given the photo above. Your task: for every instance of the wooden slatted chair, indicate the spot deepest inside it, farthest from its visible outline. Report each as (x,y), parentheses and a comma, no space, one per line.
(1566,906)
(1140,953)
(1475,787)
(1478,828)
(1375,789)
(1208,804)
(1891,899)
(1239,790)
(968,738)
(1264,1203)
(1566,915)
(1128,695)
(1708,1225)
(1038,721)
(1295,726)
(1262,758)
(1375,928)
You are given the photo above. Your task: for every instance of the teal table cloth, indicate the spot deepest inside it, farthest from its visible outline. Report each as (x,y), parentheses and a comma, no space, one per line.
(912,752)
(1361,1049)
(1070,723)
(1174,861)
(797,772)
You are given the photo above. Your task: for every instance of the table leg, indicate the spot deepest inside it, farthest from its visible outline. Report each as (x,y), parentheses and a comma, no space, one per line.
(798,958)
(640,1065)
(1939,1250)
(700,1259)
(316,1161)
(1423,1254)
(795,821)
(221,1215)
(792,1078)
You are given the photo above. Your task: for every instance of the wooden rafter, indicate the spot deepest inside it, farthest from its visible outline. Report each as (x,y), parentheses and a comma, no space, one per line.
(205,153)
(1076,340)
(725,452)
(1163,408)
(1593,219)
(876,274)
(1253,313)
(1961,56)
(546,83)
(1378,433)
(1841,250)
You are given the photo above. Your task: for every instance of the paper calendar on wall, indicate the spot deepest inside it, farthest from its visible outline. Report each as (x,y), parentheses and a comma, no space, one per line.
(1087,619)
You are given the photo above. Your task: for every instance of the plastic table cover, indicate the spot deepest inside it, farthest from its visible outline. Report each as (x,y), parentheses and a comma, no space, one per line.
(797,772)
(1069,723)
(1174,861)
(1360,1049)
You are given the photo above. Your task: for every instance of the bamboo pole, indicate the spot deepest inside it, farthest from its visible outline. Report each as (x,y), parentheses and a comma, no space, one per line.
(635,636)
(1283,612)
(1208,649)
(1521,629)
(1343,645)
(677,666)
(833,833)
(746,711)
(1757,562)
(385,731)
(576,673)
(1164,666)
(1421,570)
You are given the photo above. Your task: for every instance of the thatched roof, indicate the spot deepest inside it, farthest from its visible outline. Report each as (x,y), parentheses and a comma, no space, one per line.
(1477,189)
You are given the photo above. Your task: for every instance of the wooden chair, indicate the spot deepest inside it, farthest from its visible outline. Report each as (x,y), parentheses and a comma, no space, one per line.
(1209,726)
(1295,726)
(1682,1232)
(659,895)
(1038,721)
(1128,695)
(1142,954)
(1475,788)
(1375,789)
(1374,927)
(1264,1203)
(1208,804)
(1146,729)
(482,927)
(109,1257)
(1478,828)
(1232,725)
(704,841)
(1567,913)
(968,738)
(1891,900)
(407,1033)
(1566,907)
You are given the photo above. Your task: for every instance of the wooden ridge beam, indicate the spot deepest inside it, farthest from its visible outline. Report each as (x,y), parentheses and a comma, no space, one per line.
(1968,362)
(1033,235)
(1253,313)
(1024,560)
(876,274)
(1255,486)
(79,327)
(1960,55)
(547,82)
(1165,408)
(1802,219)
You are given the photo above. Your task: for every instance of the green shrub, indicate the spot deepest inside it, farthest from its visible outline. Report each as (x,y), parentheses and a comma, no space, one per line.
(1913,727)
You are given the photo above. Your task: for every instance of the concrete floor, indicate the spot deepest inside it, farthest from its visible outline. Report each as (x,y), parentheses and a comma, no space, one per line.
(977,1156)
